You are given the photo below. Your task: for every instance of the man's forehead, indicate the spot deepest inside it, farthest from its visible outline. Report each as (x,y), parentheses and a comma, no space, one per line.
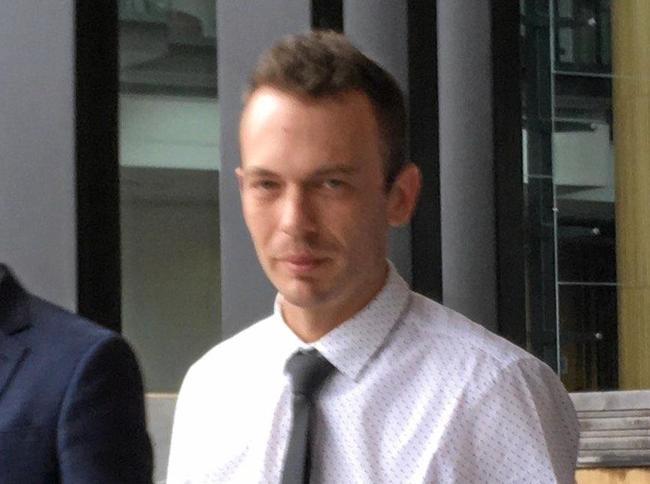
(265,99)
(268,96)
(324,169)
(282,131)
(268,106)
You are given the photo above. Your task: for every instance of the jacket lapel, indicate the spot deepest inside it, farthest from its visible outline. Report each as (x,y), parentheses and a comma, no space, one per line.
(14,317)
(12,353)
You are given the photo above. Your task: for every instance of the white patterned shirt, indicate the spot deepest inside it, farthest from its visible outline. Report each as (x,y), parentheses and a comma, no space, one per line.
(421,395)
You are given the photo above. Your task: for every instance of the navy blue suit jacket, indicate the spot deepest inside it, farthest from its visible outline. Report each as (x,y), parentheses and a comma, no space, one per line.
(71,397)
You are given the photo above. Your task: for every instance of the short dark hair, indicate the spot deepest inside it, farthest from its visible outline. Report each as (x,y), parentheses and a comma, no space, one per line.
(324,63)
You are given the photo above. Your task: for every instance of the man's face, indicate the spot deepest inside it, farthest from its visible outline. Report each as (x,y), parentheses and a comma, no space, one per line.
(313,196)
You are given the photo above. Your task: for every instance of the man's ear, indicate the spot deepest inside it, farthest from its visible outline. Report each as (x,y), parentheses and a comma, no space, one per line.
(403,195)
(239,173)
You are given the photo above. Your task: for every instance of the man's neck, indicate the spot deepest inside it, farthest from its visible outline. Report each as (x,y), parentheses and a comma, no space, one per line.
(309,327)
(312,323)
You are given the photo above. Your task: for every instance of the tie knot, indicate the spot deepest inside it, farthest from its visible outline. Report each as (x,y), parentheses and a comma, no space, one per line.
(308,370)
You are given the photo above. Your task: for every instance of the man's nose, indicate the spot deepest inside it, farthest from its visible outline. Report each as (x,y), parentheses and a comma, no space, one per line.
(297,214)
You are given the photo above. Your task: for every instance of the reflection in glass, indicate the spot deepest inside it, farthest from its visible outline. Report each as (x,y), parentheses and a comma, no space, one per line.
(169,171)
(589,347)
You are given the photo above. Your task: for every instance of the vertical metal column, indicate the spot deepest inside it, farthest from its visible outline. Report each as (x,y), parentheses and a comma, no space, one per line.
(97,181)
(540,197)
(467,202)
(508,171)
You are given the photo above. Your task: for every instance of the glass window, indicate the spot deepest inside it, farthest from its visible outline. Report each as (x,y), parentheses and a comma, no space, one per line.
(169,177)
(586,121)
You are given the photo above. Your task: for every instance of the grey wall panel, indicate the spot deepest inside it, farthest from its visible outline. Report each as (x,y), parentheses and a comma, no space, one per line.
(244,30)
(37,205)
(380,30)
(466,164)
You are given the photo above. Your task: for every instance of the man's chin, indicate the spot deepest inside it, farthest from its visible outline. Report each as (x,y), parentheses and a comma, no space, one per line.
(302,294)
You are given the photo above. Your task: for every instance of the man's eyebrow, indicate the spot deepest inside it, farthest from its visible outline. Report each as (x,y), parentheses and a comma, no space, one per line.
(257,171)
(325,171)
(336,170)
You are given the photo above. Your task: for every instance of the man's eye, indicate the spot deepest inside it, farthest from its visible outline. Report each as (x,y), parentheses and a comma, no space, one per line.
(265,184)
(333,183)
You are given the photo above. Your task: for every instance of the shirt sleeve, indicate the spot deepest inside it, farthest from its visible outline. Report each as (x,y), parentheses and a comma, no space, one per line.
(520,426)
(102,434)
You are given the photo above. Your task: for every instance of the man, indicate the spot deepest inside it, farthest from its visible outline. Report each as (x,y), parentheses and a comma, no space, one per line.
(410,391)
(71,401)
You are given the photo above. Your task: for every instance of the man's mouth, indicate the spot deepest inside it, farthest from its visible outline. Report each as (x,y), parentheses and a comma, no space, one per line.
(302,263)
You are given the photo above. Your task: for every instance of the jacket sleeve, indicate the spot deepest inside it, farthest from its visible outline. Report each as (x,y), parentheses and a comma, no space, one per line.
(101,431)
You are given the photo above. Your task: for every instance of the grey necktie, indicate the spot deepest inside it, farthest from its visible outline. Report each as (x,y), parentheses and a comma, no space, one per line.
(308,370)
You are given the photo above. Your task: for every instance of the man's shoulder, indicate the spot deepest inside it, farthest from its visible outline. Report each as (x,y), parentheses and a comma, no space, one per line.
(61,328)
(461,338)
(459,355)
(72,381)
(56,353)
(66,345)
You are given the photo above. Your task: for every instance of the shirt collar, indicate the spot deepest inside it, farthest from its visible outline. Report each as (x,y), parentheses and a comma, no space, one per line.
(351,345)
